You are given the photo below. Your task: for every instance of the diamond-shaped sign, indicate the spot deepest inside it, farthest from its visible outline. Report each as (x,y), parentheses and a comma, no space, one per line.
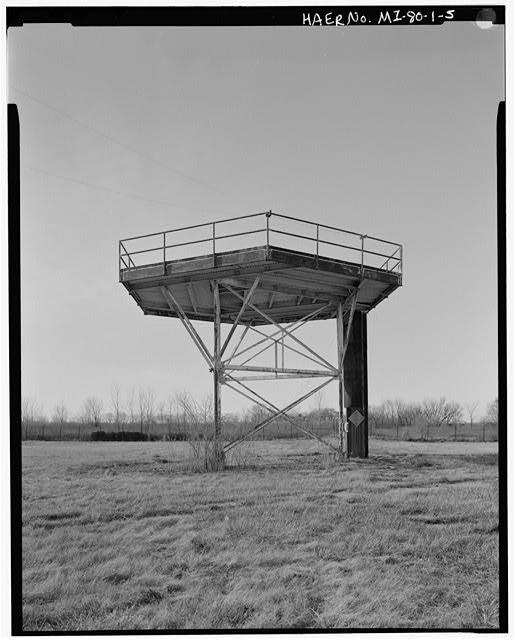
(356,418)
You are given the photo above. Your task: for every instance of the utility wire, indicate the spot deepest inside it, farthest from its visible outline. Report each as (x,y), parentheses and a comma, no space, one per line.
(136,196)
(127,147)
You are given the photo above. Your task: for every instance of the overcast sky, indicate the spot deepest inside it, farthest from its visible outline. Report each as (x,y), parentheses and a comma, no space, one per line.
(388,131)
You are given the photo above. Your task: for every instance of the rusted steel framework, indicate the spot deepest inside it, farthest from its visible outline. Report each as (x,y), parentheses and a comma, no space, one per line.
(277,287)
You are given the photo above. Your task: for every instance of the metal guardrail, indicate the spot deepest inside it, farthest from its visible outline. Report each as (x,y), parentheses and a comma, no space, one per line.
(380,257)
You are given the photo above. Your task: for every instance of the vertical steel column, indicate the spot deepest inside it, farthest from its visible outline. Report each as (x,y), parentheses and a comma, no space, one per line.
(216,362)
(340,337)
(356,387)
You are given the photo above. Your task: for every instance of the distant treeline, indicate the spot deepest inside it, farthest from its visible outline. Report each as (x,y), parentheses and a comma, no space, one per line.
(183,417)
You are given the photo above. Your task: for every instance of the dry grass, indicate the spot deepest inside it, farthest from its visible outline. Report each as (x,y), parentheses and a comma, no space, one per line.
(119,536)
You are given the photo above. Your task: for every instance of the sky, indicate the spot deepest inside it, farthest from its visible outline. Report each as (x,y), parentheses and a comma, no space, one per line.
(387,131)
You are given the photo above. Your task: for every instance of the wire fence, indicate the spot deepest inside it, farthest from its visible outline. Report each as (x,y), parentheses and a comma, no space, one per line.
(278,429)
(462,432)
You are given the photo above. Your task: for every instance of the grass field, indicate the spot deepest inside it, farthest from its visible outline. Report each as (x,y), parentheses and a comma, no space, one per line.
(120,536)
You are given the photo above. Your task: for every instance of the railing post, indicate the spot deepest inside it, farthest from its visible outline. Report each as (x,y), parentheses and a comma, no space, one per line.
(164,253)
(214,244)
(119,261)
(268,216)
(318,238)
(362,252)
(400,248)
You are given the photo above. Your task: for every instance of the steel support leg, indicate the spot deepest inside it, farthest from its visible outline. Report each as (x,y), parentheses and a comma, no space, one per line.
(216,363)
(355,387)
(341,410)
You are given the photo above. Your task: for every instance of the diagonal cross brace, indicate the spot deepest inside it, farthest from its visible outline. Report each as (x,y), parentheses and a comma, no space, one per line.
(293,326)
(272,407)
(175,306)
(275,411)
(282,329)
(286,346)
(240,313)
(349,326)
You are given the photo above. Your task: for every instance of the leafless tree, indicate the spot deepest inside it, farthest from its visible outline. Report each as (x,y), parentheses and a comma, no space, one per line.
(42,420)
(149,410)
(170,405)
(83,420)
(436,411)
(376,416)
(405,412)
(161,411)
(92,411)
(206,407)
(319,401)
(115,403)
(60,417)
(142,403)
(131,415)
(28,410)
(205,447)
(493,411)
(256,414)
(191,415)
(471,410)
(389,412)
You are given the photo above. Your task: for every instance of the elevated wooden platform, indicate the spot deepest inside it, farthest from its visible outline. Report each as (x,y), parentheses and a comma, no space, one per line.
(291,284)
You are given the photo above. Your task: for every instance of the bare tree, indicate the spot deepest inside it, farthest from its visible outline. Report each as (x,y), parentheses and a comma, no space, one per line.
(149,410)
(256,414)
(92,411)
(319,402)
(60,417)
(170,404)
(202,440)
(493,411)
(42,420)
(131,415)
(471,410)
(190,412)
(83,420)
(28,409)
(405,412)
(115,403)
(376,416)
(389,412)
(206,407)
(453,412)
(142,403)
(161,411)
(436,411)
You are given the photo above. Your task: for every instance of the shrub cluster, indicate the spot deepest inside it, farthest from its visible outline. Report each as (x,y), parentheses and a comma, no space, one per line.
(133,436)
(118,436)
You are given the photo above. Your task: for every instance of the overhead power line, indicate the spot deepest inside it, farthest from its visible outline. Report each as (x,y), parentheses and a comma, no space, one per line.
(137,196)
(127,147)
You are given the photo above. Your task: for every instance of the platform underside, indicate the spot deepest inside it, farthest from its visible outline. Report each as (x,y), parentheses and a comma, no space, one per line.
(291,285)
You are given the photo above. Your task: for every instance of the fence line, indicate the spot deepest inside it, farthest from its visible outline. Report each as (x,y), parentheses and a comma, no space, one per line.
(184,430)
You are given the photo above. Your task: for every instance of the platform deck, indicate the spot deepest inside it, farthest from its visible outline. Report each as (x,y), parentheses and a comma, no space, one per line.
(291,284)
